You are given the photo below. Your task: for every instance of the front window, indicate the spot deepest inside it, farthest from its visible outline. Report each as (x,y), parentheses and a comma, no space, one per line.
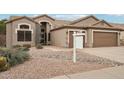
(27,35)
(24,33)
(24,26)
(20,35)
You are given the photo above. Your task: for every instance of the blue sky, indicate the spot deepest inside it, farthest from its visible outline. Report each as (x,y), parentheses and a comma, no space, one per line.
(115,18)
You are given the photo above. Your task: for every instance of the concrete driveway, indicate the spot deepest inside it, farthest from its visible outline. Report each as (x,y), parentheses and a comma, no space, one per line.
(112,53)
(107,73)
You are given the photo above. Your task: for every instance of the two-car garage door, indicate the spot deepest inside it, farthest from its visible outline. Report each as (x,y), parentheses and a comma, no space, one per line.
(104,39)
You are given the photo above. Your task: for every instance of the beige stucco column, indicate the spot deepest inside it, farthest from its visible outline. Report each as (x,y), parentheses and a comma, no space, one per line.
(47,32)
(89,38)
(118,38)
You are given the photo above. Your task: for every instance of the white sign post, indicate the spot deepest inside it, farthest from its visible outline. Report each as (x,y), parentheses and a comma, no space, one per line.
(74,44)
(74,47)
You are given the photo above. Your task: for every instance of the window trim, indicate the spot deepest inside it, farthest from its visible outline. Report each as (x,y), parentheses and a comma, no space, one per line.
(24,24)
(18,29)
(51,26)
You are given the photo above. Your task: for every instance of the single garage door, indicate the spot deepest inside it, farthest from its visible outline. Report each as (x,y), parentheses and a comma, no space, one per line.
(104,39)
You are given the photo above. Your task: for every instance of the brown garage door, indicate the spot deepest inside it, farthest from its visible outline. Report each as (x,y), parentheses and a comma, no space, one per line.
(70,39)
(104,39)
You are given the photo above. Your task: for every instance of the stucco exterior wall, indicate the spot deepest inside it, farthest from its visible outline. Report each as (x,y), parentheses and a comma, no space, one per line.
(59,38)
(122,35)
(14,29)
(46,19)
(38,31)
(8,35)
(89,38)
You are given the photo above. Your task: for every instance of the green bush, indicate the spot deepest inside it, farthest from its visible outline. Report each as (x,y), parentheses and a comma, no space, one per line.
(14,56)
(17,46)
(27,45)
(23,48)
(3,64)
(3,51)
(2,40)
(39,46)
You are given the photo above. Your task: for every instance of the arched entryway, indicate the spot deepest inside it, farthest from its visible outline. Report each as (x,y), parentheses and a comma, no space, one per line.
(45,36)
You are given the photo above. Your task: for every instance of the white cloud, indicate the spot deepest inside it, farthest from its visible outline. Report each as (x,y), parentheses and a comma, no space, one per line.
(35,15)
(116,14)
(68,16)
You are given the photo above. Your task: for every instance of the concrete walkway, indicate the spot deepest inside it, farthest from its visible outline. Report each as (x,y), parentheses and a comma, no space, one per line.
(108,73)
(112,53)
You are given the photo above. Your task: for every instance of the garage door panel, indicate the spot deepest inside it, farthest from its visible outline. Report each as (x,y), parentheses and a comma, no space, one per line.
(104,39)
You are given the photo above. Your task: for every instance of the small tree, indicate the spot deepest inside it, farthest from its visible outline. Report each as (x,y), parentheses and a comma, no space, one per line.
(3,26)
(2,32)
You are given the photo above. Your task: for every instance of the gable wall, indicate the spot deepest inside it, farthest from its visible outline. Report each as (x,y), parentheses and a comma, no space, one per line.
(8,35)
(86,22)
(45,19)
(102,25)
(14,34)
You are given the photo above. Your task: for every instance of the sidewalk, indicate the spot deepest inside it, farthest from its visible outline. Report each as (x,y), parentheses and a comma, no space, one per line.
(108,73)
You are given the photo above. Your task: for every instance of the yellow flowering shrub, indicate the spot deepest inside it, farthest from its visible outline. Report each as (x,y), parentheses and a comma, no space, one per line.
(3,64)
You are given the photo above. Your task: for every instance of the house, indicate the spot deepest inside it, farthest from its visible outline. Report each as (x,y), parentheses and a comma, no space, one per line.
(49,31)
(121,33)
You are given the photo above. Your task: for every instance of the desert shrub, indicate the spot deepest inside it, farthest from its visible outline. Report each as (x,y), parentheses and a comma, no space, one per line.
(27,45)
(23,48)
(14,56)
(17,46)
(3,51)
(3,64)
(17,57)
(122,42)
(39,46)
(2,40)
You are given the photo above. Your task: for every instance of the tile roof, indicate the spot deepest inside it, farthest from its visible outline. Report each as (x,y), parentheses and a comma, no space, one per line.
(83,18)
(65,23)
(87,27)
(102,21)
(43,16)
(20,17)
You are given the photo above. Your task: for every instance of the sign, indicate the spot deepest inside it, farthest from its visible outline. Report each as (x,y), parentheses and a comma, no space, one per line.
(77,43)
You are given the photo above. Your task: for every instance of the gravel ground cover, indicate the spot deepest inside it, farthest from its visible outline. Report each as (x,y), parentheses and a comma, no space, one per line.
(67,55)
(46,63)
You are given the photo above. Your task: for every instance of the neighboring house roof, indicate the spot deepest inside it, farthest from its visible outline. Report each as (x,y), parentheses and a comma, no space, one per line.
(84,18)
(18,18)
(88,27)
(43,16)
(102,21)
(70,24)
(117,25)
(92,26)
(61,22)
